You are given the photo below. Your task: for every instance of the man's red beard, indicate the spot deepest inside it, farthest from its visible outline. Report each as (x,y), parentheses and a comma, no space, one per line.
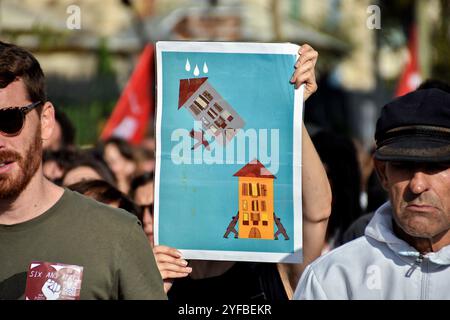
(11,186)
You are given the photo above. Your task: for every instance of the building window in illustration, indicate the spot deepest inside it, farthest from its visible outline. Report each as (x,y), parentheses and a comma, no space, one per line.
(211,115)
(227,115)
(218,108)
(207,95)
(254,190)
(263,190)
(255,206)
(255,218)
(202,101)
(195,109)
(220,123)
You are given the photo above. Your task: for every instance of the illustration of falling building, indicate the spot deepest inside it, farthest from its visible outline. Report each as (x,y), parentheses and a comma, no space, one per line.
(205,104)
(256,216)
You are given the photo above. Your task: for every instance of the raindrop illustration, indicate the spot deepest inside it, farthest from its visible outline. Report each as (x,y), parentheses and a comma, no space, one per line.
(205,68)
(196,71)
(188,65)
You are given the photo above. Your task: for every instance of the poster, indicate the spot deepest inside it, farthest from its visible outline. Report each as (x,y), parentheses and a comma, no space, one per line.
(228,155)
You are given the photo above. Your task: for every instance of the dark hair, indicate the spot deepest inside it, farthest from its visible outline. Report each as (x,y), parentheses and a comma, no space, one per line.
(104,192)
(125,149)
(67,128)
(88,159)
(16,62)
(144,153)
(434,84)
(64,158)
(338,153)
(140,180)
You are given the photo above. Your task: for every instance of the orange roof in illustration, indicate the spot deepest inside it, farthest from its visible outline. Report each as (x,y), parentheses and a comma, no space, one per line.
(188,88)
(254,169)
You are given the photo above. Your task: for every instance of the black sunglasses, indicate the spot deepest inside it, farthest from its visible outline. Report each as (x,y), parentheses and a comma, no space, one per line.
(12,119)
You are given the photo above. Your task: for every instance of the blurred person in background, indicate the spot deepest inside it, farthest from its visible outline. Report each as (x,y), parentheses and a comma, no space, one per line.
(120,157)
(435,83)
(149,141)
(145,160)
(376,196)
(141,192)
(63,136)
(365,168)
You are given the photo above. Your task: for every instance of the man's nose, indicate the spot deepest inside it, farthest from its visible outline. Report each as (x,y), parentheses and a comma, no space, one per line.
(419,182)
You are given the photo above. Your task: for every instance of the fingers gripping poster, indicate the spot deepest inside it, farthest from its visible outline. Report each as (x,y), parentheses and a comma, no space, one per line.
(228,158)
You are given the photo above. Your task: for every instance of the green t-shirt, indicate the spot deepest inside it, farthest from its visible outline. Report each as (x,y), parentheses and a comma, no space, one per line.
(108,243)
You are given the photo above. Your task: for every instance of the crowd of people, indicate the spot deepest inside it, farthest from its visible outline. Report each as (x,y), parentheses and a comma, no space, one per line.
(93,207)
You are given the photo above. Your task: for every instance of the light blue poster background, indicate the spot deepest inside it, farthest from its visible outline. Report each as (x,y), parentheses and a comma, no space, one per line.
(198,201)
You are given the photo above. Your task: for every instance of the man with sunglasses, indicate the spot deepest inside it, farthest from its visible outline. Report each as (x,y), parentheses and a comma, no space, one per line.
(54,243)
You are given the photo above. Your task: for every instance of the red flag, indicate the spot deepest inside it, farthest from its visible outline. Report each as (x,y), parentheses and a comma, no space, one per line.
(132,112)
(411,78)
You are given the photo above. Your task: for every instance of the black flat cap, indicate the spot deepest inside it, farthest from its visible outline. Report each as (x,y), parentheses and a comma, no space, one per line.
(415,127)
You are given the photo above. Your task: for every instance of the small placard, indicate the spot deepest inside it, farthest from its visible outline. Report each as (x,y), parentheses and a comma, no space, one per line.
(53,281)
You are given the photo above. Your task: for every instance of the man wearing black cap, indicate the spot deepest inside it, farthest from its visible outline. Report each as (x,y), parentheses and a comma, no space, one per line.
(405,253)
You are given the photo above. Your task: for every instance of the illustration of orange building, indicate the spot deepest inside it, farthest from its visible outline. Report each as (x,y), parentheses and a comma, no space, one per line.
(256,211)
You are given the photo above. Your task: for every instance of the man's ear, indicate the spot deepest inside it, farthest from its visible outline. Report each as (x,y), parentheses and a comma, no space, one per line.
(47,120)
(380,169)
